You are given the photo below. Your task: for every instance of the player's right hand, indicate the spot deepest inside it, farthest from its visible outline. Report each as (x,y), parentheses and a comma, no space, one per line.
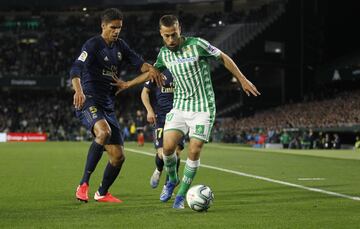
(79,99)
(156,76)
(151,118)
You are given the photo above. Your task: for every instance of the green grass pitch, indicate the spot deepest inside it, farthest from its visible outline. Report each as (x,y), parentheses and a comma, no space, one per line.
(38,182)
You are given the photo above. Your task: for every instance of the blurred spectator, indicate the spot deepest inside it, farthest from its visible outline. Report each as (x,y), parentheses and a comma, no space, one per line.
(327,141)
(285,139)
(357,142)
(336,142)
(305,141)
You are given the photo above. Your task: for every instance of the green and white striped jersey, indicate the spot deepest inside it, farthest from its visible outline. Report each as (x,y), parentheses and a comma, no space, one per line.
(190,68)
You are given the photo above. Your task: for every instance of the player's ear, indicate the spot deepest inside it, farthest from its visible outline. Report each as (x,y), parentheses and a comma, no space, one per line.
(103,25)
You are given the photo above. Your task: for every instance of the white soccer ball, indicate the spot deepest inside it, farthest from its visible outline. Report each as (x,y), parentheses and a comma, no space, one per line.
(199,198)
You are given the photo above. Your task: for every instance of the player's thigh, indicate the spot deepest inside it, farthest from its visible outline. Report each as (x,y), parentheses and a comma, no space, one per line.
(116,137)
(175,128)
(90,114)
(175,121)
(171,139)
(200,125)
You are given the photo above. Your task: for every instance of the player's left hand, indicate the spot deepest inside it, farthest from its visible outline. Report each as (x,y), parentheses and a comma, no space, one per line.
(155,75)
(120,84)
(248,87)
(151,118)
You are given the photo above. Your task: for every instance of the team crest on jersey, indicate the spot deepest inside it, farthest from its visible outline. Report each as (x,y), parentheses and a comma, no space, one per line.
(83,56)
(119,56)
(199,129)
(187,49)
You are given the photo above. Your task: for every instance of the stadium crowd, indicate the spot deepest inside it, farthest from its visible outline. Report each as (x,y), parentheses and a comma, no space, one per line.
(267,126)
(46,45)
(52,113)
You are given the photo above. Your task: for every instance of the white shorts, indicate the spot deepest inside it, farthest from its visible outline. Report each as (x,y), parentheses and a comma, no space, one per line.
(198,124)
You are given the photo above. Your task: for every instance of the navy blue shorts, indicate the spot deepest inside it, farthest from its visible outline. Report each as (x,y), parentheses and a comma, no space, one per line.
(91,113)
(159,135)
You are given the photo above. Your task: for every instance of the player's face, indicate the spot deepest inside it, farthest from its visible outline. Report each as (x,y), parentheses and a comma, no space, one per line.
(171,36)
(111,30)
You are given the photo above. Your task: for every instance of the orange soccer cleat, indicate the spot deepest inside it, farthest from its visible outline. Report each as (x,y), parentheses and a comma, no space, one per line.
(82,192)
(107,198)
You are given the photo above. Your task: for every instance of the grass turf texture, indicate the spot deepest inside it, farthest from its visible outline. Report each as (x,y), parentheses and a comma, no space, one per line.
(38,182)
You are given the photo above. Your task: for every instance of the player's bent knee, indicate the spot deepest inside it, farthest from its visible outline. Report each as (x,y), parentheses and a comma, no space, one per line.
(117,160)
(168,149)
(103,135)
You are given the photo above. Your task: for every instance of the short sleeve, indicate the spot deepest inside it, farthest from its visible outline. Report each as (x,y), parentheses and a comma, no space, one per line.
(86,56)
(207,50)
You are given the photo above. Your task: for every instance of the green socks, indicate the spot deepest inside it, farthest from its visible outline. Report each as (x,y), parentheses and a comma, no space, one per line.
(189,173)
(170,167)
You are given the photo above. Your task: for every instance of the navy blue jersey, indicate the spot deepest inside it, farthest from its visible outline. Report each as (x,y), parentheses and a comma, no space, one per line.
(96,65)
(163,99)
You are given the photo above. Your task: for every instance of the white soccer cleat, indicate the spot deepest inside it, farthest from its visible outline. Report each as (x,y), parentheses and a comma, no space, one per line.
(155,178)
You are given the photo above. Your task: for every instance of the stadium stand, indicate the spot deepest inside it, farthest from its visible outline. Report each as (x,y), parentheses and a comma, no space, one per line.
(39,48)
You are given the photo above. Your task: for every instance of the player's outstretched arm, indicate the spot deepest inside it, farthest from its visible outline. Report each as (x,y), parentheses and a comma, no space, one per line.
(246,85)
(154,74)
(145,98)
(123,85)
(79,96)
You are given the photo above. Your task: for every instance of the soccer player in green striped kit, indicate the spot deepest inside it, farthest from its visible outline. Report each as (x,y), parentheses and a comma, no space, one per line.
(193,111)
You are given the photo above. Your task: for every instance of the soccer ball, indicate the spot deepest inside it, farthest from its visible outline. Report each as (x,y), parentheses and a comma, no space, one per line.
(199,198)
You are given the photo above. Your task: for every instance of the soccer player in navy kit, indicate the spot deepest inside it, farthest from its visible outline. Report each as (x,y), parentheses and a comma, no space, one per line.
(158,101)
(93,75)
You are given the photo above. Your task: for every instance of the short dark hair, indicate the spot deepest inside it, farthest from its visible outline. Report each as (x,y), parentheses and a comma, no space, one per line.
(111,14)
(168,20)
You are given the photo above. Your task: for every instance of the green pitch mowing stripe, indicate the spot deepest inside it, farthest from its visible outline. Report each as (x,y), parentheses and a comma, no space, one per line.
(262,178)
(340,154)
(38,182)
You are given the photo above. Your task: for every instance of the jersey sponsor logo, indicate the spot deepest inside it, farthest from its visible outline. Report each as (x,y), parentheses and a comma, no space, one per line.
(167,90)
(106,58)
(184,60)
(83,56)
(110,71)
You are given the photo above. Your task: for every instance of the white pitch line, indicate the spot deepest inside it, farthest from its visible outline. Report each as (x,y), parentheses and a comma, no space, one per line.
(262,178)
(310,178)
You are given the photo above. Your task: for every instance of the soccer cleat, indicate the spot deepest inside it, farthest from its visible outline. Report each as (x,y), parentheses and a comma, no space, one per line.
(107,198)
(167,191)
(179,202)
(82,192)
(155,178)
